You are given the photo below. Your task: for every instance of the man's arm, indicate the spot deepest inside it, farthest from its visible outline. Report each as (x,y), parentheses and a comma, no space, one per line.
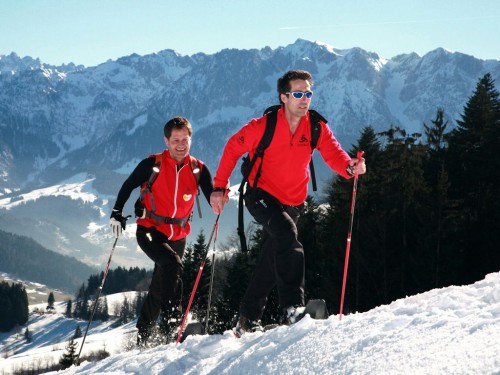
(206,183)
(333,154)
(140,174)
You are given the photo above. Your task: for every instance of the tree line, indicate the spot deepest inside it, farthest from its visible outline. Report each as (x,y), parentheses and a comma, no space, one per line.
(13,305)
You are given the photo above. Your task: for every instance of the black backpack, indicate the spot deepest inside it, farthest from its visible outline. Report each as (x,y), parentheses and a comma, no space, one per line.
(265,141)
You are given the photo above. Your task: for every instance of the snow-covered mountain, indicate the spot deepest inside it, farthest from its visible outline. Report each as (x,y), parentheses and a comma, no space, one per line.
(453,330)
(60,124)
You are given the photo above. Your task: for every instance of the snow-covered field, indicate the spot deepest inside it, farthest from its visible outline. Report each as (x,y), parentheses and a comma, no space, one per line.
(454,330)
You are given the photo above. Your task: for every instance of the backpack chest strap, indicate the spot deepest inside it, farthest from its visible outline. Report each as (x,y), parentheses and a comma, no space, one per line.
(167,220)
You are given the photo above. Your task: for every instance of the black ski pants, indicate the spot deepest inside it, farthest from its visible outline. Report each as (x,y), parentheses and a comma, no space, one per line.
(281,261)
(166,285)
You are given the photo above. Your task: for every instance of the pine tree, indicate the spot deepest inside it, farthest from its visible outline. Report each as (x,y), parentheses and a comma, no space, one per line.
(475,181)
(28,335)
(22,303)
(438,177)
(192,261)
(13,306)
(50,302)
(233,290)
(408,193)
(78,333)
(368,263)
(104,313)
(125,311)
(99,307)
(69,308)
(80,305)
(69,357)
(436,136)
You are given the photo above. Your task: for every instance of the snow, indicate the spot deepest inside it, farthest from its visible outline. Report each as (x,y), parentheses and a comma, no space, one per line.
(139,121)
(78,187)
(128,167)
(236,114)
(327,46)
(453,330)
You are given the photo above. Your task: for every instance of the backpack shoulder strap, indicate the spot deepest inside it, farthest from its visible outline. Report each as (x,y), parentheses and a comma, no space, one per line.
(158,158)
(315,127)
(271,114)
(271,118)
(315,133)
(155,171)
(265,141)
(152,178)
(196,167)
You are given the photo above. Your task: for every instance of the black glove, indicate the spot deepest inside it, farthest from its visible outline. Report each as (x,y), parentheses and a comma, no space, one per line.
(118,222)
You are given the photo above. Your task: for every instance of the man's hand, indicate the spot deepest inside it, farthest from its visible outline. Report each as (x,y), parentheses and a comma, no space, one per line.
(117,222)
(356,167)
(218,200)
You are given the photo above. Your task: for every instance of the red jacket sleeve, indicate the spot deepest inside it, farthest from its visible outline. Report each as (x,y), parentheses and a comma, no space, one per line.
(331,151)
(244,140)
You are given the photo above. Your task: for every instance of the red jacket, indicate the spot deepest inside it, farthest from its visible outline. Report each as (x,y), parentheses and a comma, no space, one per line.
(284,172)
(174,194)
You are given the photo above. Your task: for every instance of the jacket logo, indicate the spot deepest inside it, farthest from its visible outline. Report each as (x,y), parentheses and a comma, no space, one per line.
(303,139)
(187,197)
(241,139)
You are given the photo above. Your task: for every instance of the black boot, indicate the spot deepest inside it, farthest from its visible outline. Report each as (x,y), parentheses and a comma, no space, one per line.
(246,325)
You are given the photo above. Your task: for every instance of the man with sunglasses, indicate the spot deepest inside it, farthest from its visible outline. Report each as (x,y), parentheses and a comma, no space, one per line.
(277,189)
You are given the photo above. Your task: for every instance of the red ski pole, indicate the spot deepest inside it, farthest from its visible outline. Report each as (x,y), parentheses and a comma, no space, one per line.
(349,234)
(198,277)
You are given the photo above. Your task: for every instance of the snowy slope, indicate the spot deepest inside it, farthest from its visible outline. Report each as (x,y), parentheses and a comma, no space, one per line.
(454,330)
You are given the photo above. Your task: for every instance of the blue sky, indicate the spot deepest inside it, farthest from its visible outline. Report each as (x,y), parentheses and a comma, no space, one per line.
(92,31)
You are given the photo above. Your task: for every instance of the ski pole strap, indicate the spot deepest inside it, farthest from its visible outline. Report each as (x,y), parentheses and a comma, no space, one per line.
(168,220)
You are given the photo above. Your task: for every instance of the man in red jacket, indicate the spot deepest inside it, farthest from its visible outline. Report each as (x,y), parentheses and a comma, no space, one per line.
(278,199)
(163,215)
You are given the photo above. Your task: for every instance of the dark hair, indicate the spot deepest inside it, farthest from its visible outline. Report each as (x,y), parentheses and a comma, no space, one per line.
(177,123)
(284,82)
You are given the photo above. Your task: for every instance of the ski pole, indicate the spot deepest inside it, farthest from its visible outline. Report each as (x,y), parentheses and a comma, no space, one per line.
(211,283)
(349,234)
(200,271)
(77,361)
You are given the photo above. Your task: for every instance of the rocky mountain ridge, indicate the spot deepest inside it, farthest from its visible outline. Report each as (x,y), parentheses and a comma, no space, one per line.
(67,124)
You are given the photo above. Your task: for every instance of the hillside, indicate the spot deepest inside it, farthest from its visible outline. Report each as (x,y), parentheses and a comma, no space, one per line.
(453,330)
(37,293)
(25,259)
